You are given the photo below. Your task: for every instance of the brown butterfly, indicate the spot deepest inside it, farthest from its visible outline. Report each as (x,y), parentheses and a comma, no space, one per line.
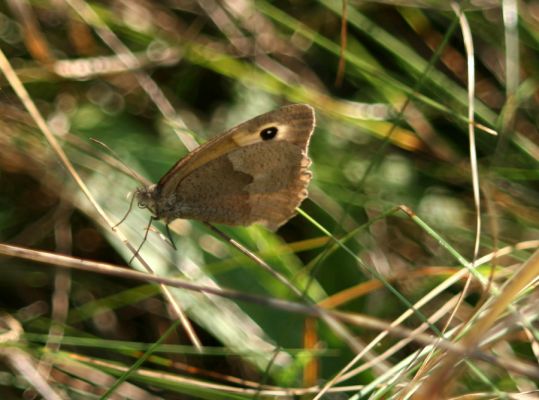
(257,172)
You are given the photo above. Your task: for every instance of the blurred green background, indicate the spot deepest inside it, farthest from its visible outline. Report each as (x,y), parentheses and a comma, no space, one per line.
(392,128)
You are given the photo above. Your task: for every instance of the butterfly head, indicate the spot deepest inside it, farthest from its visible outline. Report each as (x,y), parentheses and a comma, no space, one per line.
(145,198)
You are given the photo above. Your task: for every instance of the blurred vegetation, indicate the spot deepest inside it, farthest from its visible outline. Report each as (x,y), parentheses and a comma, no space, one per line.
(389,82)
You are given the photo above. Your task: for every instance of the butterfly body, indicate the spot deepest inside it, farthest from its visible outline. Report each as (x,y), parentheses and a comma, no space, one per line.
(257,172)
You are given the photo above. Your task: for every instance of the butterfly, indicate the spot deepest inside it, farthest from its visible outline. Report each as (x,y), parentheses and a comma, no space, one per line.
(256,172)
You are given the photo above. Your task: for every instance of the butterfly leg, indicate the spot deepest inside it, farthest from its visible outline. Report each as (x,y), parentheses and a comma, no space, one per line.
(143,240)
(127,213)
(170,238)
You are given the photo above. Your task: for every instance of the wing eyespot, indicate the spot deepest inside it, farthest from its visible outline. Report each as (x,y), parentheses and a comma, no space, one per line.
(269,133)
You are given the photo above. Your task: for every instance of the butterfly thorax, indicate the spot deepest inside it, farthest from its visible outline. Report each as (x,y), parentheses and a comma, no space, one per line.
(146,199)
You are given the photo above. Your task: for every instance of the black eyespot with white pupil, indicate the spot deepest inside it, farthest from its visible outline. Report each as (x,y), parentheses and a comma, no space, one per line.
(268,133)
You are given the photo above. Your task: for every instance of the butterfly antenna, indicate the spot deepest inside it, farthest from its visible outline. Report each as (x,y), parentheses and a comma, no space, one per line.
(127,213)
(143,240)
(125,168)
